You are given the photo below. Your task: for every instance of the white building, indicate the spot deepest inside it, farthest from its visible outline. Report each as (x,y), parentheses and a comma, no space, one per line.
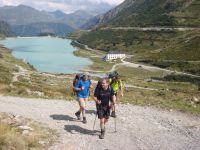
(113,55)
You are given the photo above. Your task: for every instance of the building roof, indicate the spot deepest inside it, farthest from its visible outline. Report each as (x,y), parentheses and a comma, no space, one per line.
(116,52)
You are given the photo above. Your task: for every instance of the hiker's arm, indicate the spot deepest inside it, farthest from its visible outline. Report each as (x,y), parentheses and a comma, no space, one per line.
(97,101)
(96,94)
(78,87)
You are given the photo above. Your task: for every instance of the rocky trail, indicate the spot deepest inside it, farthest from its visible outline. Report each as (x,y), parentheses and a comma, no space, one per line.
(138,128)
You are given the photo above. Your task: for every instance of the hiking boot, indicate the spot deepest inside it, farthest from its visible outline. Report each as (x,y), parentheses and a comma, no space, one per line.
(102,134)
(84,120)
(113,114)
(78,115)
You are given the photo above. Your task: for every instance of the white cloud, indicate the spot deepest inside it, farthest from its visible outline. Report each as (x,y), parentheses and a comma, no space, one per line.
(64,5)
(112,2)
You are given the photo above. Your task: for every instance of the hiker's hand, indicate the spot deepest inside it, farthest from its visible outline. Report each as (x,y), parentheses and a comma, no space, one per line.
(82,88)
(122,94)
(98,102)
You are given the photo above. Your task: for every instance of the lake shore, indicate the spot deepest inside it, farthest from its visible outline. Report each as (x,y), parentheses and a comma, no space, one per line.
(58,54)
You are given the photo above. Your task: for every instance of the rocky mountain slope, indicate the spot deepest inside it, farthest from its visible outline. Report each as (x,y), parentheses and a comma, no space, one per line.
(153,13)
(36,29)
(5,29)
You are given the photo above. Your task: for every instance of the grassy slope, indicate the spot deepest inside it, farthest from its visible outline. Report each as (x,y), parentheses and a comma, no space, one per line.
(12,137)
(76,34)
(181,53)
(131,40)
(154,47)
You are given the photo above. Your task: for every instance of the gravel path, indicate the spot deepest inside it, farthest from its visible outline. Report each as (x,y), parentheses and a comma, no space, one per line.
(138,128)
(152,28)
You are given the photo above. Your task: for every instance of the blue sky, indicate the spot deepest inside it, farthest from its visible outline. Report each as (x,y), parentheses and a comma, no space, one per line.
(67,6)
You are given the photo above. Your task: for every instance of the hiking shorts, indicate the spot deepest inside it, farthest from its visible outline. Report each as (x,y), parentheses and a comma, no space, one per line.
(82,101)
(103,112)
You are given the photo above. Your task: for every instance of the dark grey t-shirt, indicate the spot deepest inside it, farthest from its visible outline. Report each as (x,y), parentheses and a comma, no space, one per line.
(104,95)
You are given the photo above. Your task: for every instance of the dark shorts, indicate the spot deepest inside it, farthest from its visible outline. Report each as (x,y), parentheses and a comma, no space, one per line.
(103,112)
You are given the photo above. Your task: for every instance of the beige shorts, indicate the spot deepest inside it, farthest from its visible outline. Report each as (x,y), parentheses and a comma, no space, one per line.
(82,101)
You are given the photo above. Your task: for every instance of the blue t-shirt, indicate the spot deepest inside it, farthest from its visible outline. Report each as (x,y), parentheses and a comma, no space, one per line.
(86,85)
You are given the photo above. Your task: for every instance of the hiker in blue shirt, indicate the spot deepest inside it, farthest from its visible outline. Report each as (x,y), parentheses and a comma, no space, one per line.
(82,90)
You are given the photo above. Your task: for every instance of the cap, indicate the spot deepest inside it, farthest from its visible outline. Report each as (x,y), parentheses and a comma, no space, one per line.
(86,74)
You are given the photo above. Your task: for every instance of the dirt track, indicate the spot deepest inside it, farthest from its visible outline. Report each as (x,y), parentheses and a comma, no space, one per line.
(137,127)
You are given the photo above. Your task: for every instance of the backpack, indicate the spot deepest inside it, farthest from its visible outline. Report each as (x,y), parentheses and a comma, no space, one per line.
(113,74)
(75,80)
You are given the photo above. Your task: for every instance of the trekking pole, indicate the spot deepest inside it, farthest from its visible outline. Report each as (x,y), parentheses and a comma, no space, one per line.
(115,119)
(97,107)
(115,124)
(94,121)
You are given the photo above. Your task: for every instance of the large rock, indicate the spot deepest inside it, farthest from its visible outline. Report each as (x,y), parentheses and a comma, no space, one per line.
(195,100)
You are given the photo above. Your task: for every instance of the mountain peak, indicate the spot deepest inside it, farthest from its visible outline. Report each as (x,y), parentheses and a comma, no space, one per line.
(58,14)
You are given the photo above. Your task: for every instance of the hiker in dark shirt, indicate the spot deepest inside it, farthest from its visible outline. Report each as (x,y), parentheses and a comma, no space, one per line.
(103,96)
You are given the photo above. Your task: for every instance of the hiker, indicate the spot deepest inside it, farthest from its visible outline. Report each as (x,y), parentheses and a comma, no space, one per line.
(103,95)
(75,80)
(116,84)
(82,90)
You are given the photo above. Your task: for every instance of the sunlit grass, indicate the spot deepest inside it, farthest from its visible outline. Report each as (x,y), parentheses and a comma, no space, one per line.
(12,137)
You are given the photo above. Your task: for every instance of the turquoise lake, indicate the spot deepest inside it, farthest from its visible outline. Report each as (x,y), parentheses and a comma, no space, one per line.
(47,54)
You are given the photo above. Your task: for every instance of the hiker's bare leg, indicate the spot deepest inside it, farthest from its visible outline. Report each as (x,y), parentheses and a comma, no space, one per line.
(83,105)
(80,107)
(105,121)
(102,123)
(114,102)
(79,104)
